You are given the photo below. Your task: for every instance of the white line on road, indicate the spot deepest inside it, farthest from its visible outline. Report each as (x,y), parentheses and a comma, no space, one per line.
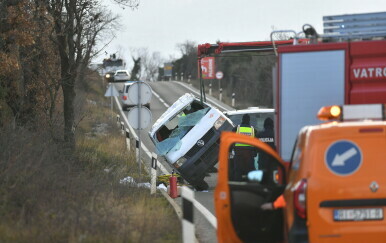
(160,99)
(204,211)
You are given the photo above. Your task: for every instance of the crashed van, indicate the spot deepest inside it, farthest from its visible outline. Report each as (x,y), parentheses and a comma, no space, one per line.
(187,137)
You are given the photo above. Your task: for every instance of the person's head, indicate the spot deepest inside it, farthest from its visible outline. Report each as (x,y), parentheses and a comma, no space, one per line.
(268,123)
(246,119)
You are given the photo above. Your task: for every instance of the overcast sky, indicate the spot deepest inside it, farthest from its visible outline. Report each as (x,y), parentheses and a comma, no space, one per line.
(160,25)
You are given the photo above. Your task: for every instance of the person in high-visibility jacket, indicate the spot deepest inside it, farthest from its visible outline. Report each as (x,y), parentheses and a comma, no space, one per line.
(243,161)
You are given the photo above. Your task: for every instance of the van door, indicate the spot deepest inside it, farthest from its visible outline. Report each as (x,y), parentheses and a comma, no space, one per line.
(250,174)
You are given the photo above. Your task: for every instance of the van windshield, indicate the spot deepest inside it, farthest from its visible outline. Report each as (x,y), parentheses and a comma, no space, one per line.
(168,137)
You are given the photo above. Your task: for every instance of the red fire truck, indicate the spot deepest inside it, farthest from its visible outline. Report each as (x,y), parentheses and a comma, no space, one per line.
(345,65)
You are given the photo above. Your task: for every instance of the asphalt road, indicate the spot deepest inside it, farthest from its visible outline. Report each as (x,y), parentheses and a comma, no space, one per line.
(164,95)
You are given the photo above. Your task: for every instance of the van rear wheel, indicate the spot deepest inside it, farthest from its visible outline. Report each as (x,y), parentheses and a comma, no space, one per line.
(201,186)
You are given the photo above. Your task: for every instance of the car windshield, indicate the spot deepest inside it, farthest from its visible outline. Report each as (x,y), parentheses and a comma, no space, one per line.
(121,73)
(168,137)
(257,119)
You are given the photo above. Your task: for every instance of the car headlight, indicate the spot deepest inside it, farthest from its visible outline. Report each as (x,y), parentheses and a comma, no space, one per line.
(107,75)
(179,162)
(219,122)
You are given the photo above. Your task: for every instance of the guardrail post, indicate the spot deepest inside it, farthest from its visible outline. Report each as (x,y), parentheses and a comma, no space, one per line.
(128,142)
(153,181)
(182,76)
(220,98)
(118,120)
(136,148)
(123,128)
(210,89)
(187,215)
(233,99)
(189,77)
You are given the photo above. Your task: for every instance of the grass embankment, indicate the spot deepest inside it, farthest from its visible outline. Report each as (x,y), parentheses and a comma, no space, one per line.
(48,195)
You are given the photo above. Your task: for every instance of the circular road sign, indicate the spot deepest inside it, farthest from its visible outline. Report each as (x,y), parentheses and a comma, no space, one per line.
(134,115)
(343,157)
(219,75)
(139,93)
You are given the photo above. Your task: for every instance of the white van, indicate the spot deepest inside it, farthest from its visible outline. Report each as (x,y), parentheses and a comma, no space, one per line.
(187,136)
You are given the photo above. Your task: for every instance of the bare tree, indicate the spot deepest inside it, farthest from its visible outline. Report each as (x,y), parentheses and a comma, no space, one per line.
(149,63)
(79,24)
(187,63)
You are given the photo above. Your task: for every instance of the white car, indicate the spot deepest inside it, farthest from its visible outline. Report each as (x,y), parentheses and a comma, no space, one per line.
(126,101)
(257,116)
(121,75)
(187,137)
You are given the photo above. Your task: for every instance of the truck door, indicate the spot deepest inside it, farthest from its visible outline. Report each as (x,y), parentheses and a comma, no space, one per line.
(250,175)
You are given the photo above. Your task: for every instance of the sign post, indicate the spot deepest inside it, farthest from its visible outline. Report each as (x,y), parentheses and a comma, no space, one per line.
(139,117)
(219,76)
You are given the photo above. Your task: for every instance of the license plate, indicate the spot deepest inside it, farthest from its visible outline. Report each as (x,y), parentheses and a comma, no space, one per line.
(359,214)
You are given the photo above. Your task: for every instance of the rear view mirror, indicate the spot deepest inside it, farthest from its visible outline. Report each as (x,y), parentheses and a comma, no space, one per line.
(250,174)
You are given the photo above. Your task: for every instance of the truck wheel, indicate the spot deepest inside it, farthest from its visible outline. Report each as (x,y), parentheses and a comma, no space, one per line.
(201,186)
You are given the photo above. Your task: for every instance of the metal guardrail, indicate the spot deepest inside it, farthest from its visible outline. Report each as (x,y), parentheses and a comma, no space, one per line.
(188,205)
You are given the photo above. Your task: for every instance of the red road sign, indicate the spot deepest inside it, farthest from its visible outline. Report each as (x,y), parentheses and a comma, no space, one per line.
(208,67)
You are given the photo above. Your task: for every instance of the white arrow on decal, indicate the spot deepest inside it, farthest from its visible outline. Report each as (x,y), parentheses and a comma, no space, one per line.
(339,160)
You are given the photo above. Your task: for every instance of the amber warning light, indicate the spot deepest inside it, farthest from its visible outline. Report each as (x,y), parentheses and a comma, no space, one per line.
(352,112)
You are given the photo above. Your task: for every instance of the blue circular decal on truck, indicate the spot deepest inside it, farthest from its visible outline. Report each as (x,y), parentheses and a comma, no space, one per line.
(343,157)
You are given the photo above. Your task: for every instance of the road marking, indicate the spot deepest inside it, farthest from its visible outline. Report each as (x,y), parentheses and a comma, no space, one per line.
(204,211)
(340,159)
(197,93)
(160,99)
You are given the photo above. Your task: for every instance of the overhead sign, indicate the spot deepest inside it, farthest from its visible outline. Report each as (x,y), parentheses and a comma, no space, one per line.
(139,93)
(343,157)
(219,75)
(208,67)
(139,118)
(111,91)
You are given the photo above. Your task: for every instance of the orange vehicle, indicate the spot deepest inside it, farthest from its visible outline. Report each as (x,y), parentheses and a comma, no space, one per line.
(335,190)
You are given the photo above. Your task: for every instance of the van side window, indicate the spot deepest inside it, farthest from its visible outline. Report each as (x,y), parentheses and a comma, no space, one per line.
(296,156)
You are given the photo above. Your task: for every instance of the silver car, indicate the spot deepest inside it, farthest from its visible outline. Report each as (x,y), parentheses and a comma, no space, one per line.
(127,103)
(121,76)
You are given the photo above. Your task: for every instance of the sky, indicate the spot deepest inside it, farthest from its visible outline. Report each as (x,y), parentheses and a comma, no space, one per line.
(159,25)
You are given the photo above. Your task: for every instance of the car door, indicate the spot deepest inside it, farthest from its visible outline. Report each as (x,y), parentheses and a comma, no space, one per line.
(238,199)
